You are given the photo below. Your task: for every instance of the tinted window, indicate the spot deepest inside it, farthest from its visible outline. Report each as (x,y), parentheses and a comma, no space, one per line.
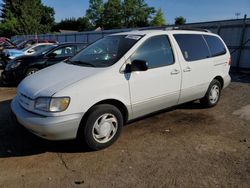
(45,50)
(65,51)
(193,46)
(156,51)
(215,45)
(40,47)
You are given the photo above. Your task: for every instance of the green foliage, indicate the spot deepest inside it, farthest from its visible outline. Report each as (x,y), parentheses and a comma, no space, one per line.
(73,24)
(95,13)
(25,17)
(136,13)
(159,19)
(119,14)
(22,17)
(47,19)
(112,14)
(180,20)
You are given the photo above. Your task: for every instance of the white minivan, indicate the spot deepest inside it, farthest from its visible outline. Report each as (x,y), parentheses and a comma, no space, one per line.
(119,78)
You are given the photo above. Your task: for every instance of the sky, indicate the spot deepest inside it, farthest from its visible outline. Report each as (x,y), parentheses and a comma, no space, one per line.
(192,10)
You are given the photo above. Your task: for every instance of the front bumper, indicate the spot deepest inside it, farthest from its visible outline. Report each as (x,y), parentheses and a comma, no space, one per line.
(227,81)
(13,76)
(50,128)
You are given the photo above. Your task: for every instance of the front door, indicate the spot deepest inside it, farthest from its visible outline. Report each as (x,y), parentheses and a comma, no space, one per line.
(159,86)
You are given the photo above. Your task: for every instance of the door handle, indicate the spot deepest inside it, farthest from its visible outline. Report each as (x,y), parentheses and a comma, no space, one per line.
(175,71)
(187,69)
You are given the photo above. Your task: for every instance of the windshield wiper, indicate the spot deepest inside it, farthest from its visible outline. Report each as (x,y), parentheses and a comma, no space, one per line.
(81,63)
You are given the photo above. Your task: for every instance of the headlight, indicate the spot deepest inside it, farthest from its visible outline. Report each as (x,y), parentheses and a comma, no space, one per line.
(54,104)
(13,64)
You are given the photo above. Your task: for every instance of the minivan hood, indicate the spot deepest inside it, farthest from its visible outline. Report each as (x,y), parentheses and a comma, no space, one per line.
(51,80)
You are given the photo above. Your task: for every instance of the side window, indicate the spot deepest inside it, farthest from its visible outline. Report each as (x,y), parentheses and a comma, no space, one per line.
(156,51)
(37,48)
(65,51)
(215,45)
(193,46)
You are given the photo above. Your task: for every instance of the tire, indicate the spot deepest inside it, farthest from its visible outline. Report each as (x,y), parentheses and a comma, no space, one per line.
(102,127)
(31,71)
(213,94)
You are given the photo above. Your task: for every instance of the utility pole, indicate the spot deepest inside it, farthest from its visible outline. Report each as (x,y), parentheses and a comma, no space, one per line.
(237,14)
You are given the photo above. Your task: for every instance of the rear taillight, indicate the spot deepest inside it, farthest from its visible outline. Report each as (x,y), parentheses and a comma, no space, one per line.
(230,61)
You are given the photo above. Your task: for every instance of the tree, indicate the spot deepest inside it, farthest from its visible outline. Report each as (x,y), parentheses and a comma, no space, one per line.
(48,18)
(25,17)
(84,24)
(112,14)
(73,24)
(95,12)
(159,19)
(8,27)
(180,20)
(119,13)
(136,13)
(30,18)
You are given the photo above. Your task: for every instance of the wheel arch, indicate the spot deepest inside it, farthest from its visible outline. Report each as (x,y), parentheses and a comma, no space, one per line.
(118,104)
(220,79)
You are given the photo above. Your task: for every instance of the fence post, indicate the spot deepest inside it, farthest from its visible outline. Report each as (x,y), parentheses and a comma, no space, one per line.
(219,29)
(242,36)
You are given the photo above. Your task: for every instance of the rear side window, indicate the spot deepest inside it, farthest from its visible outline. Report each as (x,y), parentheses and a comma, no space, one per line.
(215,45)
(193,46)
(156,51)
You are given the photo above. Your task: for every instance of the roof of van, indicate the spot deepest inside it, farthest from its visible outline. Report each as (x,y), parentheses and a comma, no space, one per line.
(159,31)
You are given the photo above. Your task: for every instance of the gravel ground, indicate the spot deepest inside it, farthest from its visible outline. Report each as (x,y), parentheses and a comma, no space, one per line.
(187,146)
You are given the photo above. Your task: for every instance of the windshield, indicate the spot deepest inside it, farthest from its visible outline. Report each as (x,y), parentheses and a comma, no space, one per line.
(105,52)
(21,44)
(24,49)
(45,50)
(17,41)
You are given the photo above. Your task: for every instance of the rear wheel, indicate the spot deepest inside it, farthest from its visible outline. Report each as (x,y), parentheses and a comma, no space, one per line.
(31,71)
(102,127)
(213,94)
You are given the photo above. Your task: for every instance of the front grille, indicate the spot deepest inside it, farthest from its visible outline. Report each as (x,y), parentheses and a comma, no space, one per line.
(26,102)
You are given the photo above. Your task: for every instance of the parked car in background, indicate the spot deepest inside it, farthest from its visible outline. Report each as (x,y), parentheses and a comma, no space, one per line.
(21,44)
(13,53)
(31,42)
(5,43)
(120,78)
(23,66)
(17,41)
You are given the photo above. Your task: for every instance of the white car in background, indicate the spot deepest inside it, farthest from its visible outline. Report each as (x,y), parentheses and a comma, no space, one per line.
(13,53)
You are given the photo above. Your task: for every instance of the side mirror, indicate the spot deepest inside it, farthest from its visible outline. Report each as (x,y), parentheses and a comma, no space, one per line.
(31,51)
(137,65)
(52,55)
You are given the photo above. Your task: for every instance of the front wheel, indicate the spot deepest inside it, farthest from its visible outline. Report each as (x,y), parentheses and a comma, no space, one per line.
(213,94)
(102,127)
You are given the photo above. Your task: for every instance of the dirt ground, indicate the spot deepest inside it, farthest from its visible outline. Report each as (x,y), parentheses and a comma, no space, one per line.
(188,146)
